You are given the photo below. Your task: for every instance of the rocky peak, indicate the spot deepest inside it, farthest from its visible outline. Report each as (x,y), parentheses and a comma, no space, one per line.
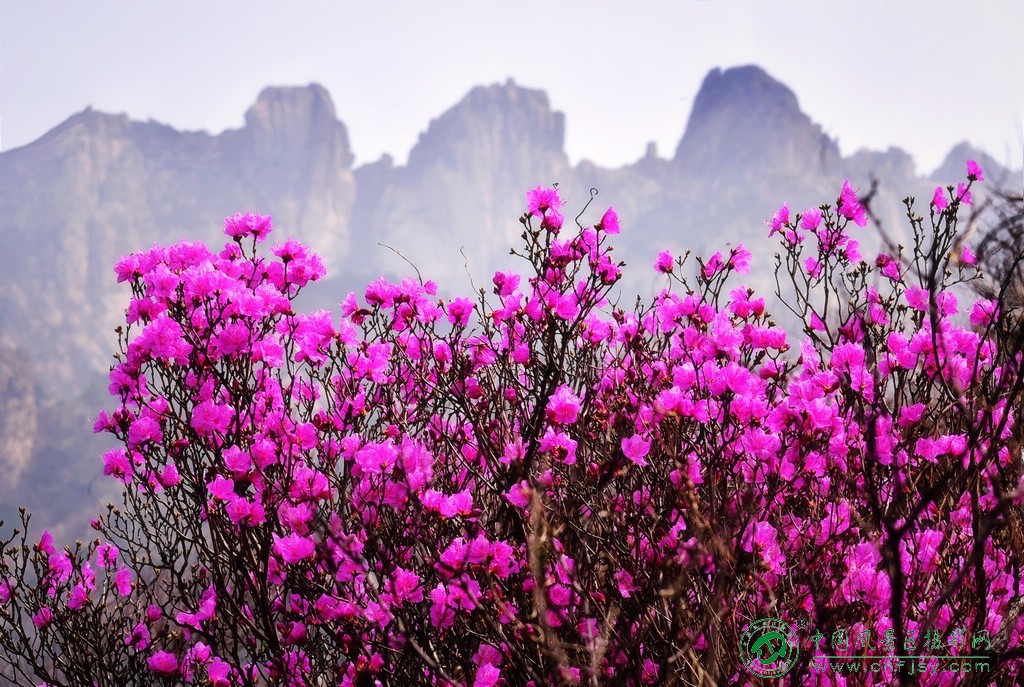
(491,122)
(90,122)
(742,116)
(894,166)
(287,124)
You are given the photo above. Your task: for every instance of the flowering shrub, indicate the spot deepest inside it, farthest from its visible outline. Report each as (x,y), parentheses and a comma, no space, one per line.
(537,487)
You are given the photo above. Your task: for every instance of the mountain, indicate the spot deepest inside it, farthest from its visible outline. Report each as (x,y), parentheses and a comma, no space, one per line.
(101,185)
(464,183)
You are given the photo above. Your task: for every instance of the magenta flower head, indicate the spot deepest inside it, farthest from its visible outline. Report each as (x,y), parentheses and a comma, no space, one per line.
(487,676)
(968,256)
(540,200)
(780,219)
(963,194)
(740,259)
(664,262)
(163,662)
(609,222)
(294,548)
(43,618)
(811,219)
(553,220)
(563,406)
(974,171)
(939,199)
(249,224)
(636,448)
(850,207)
(714,265)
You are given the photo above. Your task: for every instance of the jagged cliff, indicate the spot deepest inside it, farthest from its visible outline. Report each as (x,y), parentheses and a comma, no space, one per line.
(463,185)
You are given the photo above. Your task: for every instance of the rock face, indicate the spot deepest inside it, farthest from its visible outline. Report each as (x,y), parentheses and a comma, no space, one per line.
(295,153)
(746,122)
(464,184)
(99,185)
(748,148)
(18,416)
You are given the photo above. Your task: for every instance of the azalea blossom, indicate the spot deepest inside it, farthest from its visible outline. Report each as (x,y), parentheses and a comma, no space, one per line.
(849,206)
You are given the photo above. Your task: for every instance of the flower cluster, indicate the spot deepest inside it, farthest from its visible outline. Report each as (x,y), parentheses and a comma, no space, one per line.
(538,487)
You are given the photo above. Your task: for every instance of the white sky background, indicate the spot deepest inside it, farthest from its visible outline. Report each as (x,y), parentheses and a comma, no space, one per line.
(922,75)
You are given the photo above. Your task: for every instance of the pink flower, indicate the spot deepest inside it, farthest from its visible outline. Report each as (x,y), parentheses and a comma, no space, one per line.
(506,283)
(714,265)
(501,563)
(106,555)
(563,406)
(79,597)
(163,663)
(865,579)
(649,672)
(609,222)
(217,672)
(222,488)
(850,207)
(406,586)
(140,638)
(939,199)
(209,418)
(762,539)
(459,311)
(442,615)
(983,312)
(625,583)
(249,224)
(46,543)
(963,194)
(560,445)
(740,259)
(917,298)
(519,494)
(811,219)
(890,267)
(246,512)
(164,339)
(664,262)
(60,564)
(207,607)
(123,581)
(552,220)
(116,464)
(560,595)
(974,171)
(487,676)
(968,256)
(144,429)
(635,448)
(541,199)
(780,219)
(294,548)
(813,267)
(43,618)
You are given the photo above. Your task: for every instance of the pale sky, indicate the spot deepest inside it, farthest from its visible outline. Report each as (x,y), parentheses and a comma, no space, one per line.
(923,75)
